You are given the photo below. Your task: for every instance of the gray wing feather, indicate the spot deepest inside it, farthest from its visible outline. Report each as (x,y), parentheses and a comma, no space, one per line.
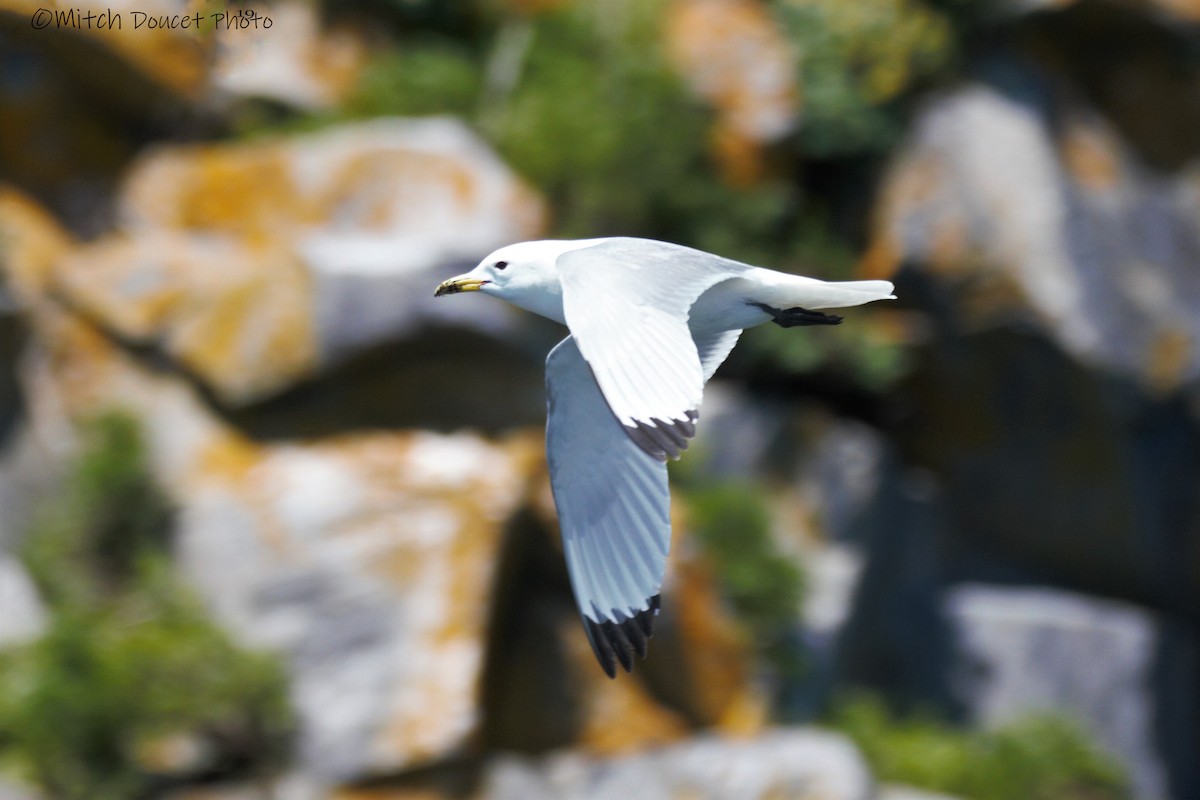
(627,303)
(714,347)
(613,508)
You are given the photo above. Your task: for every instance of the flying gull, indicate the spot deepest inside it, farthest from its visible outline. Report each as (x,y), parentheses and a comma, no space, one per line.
(649,323)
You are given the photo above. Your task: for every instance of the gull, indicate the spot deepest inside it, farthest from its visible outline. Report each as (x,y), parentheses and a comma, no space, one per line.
(649,324)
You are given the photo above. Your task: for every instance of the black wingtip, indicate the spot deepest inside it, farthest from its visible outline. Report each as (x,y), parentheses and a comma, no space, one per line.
(616,642)
(601,647)
(664,439)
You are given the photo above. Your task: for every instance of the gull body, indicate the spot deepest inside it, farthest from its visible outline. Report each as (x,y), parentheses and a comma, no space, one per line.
(649,324)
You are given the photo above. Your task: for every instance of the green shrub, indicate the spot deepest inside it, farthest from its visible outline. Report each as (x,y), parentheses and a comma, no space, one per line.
(423,76)
(88,542)
(857,60)
(1036,758)
(130,656)
(601,123)
(765,587)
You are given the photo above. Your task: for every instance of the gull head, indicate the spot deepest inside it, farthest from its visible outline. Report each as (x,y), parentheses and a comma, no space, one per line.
(523,274)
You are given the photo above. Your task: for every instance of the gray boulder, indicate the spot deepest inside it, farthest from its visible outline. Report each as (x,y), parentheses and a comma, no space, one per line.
(22,615)
(1031,650)
(801,764)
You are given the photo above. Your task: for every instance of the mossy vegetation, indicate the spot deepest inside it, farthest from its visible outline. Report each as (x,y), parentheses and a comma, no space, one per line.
(130,659)
(1035,758)
(765,586)
(858,61)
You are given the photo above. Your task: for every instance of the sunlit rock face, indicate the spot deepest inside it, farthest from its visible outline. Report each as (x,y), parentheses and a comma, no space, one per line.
(256,265)
(369,562)
(1034,650)
(382,562)
(294,61)
(1063,222)
(799,763)
(365,560)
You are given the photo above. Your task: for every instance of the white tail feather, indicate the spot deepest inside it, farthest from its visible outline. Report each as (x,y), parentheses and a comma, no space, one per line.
(810,293)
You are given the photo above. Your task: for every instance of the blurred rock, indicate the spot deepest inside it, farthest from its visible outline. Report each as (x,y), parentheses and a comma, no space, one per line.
(15,791)
(1025,210)
(294,786)
(895,637)
(367,560)
(238,318)
(616,716)
(31,244)
(388,194)
(1186,11)
(741,435)
(893,792)
(24,616)
(1014,464)
(733,55)
(1047,468)
(79,102)
(256,265)
(1132,64)
(173,57)
(370,562)
(1038,650)
(710,674)
(178,755)
(795,763)
(293,62)
(842,470)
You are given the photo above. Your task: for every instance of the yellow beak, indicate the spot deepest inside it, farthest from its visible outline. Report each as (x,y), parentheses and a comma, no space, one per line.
(456,285)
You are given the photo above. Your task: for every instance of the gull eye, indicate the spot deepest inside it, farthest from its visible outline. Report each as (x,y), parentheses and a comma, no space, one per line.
(500,264)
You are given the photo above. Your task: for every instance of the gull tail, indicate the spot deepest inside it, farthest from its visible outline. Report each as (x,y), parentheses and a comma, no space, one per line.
(811,293)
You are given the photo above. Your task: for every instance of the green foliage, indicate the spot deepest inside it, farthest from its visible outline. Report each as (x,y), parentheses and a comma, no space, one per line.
(856,60)
(600,122)
(765,587)
(425,76)
(88,542)
(1037,758)
(129,656)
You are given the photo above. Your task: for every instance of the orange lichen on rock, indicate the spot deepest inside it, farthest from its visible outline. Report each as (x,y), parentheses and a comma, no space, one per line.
(1090,154)
(616,716)
(238,317)
(229,458)
(715,651)
(733,55)
(245,189)
(1168,359)
(296,61)
(31,244)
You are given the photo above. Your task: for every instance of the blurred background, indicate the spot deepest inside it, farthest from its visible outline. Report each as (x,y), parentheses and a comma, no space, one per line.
(276,524)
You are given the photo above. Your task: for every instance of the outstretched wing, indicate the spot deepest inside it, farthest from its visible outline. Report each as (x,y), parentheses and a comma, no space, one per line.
(627,302)
(613,509)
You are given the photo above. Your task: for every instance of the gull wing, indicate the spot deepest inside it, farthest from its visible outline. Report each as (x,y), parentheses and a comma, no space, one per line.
(613,510)
(714,347)
(627,302)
